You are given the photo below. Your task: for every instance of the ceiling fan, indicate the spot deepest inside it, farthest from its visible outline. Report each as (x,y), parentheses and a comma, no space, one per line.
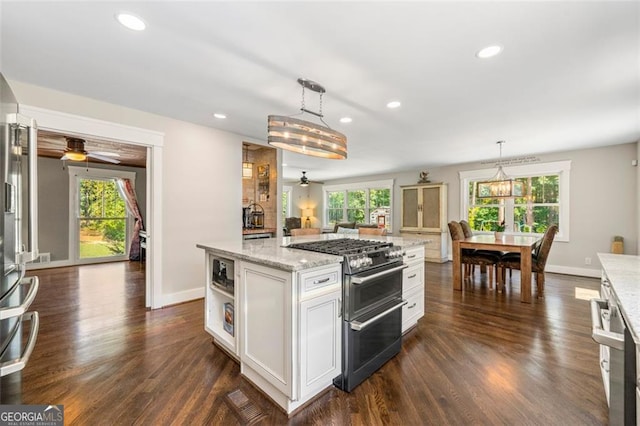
(75,152)
(304,180)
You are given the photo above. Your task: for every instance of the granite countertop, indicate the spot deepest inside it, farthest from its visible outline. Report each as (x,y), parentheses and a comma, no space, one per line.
(273,251)
(623,272)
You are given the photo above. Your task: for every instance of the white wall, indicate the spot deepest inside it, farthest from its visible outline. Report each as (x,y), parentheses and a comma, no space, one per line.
(201,203)
(604,202)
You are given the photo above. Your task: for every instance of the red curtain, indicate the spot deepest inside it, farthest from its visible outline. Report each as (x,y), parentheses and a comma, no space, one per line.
(129,195)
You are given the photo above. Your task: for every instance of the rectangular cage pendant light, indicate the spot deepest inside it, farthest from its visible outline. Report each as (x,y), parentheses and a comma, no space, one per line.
(500,185)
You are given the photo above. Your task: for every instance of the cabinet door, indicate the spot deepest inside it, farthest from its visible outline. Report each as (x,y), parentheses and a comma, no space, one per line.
(410,206)
(266,337)
(431,208)
(320,342)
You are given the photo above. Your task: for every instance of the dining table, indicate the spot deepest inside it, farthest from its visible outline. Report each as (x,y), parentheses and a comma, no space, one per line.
(522,244)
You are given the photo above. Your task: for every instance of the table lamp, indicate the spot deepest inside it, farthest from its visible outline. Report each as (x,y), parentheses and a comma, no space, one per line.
(308,213)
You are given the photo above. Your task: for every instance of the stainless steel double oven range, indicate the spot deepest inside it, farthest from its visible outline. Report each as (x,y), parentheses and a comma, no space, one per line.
(371,304)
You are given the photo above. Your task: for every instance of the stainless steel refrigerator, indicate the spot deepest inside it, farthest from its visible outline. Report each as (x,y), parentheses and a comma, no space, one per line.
(18,243)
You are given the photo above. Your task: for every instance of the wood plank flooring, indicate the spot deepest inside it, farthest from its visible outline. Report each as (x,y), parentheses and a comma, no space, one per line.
(477,357)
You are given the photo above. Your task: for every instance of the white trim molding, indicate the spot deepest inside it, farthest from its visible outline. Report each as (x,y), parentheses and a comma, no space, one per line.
(154,141)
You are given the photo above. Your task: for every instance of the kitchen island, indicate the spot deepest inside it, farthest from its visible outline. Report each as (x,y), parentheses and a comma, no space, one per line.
(618,361)
(281,315)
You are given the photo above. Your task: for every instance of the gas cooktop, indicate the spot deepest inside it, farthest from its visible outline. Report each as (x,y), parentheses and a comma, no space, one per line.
(342,246)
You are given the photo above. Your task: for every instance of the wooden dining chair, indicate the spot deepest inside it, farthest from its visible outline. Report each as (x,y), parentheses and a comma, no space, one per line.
(539,257)
(305,231)
(372,231)
(470,257)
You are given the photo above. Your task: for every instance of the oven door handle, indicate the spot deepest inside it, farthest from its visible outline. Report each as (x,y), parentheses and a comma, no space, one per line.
(367,278)
(358,326)
(598,333)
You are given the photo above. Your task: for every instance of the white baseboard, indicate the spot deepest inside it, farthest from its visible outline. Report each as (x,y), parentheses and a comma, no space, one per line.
(568,270)
(53,264)
(182,296)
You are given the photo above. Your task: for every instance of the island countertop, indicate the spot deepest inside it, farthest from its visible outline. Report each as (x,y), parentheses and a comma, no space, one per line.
(623,272)
(273,251)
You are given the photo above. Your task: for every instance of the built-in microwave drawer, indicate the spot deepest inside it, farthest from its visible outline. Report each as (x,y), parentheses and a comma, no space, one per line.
(317,279)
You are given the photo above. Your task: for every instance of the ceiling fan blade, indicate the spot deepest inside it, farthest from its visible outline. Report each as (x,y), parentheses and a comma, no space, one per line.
(103,158)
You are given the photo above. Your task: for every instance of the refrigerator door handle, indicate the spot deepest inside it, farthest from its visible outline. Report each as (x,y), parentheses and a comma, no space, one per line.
(20,121)
(14,311)
(18,364)
(33,192)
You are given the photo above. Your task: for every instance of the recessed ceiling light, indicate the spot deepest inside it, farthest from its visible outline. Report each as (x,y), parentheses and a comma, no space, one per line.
(284,164)
(346,120)
(489,52)
(219,115)
(130,21)
(393,104)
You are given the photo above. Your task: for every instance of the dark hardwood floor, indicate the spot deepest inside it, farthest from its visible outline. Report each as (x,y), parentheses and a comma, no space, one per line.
(477,357)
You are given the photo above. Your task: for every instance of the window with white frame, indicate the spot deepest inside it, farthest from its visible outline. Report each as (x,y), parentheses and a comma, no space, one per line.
(364,202)
(99,225)
(545,201)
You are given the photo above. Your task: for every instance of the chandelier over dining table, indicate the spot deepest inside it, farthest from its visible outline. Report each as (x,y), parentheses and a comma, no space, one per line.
(500,185)
(306,137)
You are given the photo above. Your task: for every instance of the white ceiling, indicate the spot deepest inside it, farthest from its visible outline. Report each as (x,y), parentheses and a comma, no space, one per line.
(569,75)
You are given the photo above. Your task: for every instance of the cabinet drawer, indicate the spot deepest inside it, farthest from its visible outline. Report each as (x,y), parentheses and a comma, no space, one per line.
(412,277)
(414,309)
(413,254)
(313,280)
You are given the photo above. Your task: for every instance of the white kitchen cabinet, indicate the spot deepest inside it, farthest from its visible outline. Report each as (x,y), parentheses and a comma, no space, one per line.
(413,287)
(290,334)
(266,333)
(320,341)
(424,213)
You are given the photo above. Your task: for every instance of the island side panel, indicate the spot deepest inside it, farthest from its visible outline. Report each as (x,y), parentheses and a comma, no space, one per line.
(267,346)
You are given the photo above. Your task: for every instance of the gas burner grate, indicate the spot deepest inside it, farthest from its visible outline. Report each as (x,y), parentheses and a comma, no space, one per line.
(342,246)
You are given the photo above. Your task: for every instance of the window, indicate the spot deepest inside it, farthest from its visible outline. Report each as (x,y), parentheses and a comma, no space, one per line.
(545,201)
(100,226)
(286,202)
(367,202)
(102,219)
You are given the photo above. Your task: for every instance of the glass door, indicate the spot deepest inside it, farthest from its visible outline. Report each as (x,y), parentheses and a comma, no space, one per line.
(102,220)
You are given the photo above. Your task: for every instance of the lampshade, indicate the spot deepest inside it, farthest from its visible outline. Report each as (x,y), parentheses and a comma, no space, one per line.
(247,167)
(305,137)
(307,212)
(500,185)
